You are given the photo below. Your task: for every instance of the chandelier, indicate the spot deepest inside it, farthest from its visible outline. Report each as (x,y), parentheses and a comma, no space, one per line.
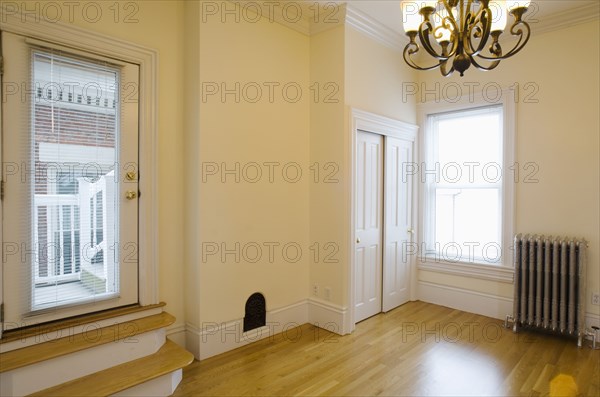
(462,30)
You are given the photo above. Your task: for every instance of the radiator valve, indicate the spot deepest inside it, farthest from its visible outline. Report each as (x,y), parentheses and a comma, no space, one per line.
(594,335)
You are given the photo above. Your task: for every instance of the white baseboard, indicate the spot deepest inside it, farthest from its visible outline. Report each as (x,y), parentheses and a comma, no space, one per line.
(477,302)
(215,338)
(469,301)
(327,315)
(176,333)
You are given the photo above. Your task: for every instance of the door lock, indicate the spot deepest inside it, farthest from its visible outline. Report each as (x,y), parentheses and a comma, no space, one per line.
(130,195)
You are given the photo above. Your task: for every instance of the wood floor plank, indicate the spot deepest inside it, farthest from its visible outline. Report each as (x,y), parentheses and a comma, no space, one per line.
(58,325)
(97,336)
(416,349)
(170,357)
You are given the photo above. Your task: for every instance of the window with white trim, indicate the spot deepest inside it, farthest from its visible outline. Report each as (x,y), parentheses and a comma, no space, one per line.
(466,195)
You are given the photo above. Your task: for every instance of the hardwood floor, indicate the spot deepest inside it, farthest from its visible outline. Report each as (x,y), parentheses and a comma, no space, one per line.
(418,349)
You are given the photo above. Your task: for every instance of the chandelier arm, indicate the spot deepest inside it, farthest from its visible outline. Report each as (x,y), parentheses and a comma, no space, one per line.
(483,18)
(443,70)
(426,26)
(515,30)
(410,49)
(493,65)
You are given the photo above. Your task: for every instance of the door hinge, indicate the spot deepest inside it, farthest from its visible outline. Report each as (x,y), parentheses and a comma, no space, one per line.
(1,65)
(2,313)
(2,188)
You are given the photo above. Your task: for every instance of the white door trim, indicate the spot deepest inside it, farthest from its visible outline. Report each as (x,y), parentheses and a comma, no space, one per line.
(361,120)
(147,59)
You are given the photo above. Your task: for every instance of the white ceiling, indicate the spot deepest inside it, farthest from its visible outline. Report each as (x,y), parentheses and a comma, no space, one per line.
(387,12)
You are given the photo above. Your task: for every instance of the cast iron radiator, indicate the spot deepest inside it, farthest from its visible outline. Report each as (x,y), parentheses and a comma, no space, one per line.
(550,284)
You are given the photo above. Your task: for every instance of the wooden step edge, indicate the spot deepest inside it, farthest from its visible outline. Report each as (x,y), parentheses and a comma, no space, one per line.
(170,357)
(96,336)
(33,331)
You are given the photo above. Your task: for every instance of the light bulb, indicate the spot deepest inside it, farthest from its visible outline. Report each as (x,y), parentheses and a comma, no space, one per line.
(411,19)
(428,3)
(499,15)
(512,4)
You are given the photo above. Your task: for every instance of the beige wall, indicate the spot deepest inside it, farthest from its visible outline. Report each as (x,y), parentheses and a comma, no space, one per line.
(558,129)
(273,129)
(143,28)
(375,77)
(328,223)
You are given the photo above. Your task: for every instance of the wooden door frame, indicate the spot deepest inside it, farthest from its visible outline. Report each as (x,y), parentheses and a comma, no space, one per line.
(361,120)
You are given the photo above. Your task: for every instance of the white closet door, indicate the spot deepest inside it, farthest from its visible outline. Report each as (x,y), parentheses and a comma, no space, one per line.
(369,236)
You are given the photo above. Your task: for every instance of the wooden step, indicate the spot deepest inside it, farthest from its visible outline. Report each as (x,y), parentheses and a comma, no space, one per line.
(96,336)
(170,357)
(58,325)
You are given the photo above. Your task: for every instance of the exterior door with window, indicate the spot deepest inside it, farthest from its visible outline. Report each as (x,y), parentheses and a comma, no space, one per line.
(70,155)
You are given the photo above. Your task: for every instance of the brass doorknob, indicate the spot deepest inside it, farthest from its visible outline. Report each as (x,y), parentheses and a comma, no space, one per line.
(130,195)
(357,240)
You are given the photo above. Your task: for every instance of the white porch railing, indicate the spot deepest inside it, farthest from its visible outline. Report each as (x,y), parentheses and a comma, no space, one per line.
(75,233)
(57,237)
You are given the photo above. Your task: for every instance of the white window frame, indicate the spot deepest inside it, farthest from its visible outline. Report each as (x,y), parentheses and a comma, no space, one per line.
(78,39)
(502,271)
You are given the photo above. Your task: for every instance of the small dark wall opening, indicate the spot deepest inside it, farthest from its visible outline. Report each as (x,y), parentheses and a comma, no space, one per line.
(256,312)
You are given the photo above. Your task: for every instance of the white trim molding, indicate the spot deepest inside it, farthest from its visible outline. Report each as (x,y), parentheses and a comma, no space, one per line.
(506,98)
(82,39)
(326,315)
(375,29)
(502,274)
(214,338)
(466,300)
(481,303)
(361,120)
(565,19)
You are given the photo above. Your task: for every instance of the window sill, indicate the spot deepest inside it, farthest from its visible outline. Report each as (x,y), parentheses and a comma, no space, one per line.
(502,274)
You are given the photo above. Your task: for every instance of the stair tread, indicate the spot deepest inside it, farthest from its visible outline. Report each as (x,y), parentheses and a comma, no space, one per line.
(94,337)
(54,326)
(170,357)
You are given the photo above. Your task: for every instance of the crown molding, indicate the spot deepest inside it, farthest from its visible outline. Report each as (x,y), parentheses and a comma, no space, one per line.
(565,19)
(374,29)
(331,14)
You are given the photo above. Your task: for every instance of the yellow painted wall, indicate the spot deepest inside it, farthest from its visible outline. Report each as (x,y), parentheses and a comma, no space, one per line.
(558,129)
(375,78)
(328,194)
(257,127)
(140,22)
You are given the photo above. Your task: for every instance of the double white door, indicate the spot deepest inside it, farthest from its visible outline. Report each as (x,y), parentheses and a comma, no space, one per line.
(383,224)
